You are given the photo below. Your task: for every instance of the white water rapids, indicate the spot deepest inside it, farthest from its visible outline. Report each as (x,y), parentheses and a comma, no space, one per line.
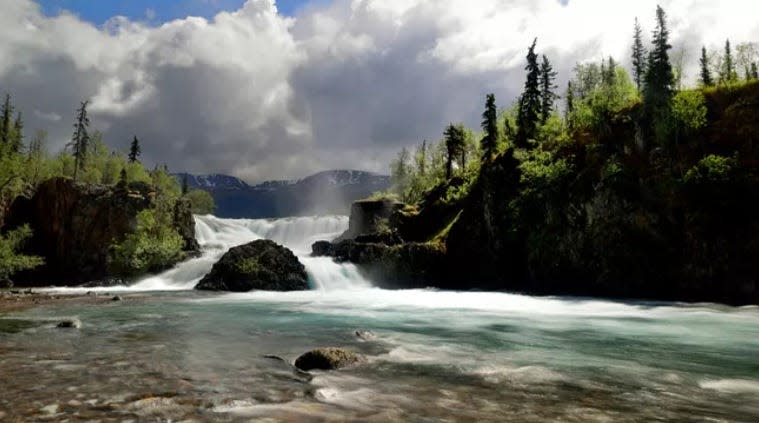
(431,355)
(216,236)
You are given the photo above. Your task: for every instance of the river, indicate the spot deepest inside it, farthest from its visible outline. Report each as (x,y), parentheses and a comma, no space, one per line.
(171,353)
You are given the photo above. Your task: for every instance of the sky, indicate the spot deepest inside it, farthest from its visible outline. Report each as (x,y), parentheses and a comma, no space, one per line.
(264,90)
(153,12)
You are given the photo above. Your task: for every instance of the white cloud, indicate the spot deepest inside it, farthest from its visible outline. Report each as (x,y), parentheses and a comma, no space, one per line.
(344,84)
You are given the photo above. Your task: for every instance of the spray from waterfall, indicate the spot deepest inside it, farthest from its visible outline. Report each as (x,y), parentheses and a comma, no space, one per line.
(216,236)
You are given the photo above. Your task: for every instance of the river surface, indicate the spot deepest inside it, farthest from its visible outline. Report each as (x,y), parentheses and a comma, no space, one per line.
(169,353)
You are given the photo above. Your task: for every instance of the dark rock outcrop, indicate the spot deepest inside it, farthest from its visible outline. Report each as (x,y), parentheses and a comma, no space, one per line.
(368,217)
(75,224)
(405,265)
(259,265)
(322,249)
(184,222)
(328,359)
(389,265)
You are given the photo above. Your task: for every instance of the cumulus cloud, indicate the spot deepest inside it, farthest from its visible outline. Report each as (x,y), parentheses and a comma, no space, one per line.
(344,84)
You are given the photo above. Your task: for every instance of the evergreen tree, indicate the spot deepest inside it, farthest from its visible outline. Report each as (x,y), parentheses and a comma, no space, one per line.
(454,142)
(508,130)
(570,105)
(490,127)
(16,140)
(80,140)
(421,159)
(185,184)
(754,71)
(530,102)
(134,150)
(609,73)
(706,74)
(36,145)
(728,73)
(659,87)
(547,87)
(123,177)
(638,56)
(6,128)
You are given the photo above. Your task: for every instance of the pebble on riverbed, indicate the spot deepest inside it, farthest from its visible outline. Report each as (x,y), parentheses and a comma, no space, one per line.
(365,335)
(328,359)
(70,323)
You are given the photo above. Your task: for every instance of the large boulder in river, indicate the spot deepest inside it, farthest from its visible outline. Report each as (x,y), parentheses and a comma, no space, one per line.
(328,359)
(259,265)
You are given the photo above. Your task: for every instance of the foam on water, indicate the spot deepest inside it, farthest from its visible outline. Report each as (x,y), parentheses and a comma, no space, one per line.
(732,386)
(216,236)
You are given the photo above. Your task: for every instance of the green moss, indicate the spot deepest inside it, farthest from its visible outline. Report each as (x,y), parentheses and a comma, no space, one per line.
(712,168)
(248,266)
(441,235)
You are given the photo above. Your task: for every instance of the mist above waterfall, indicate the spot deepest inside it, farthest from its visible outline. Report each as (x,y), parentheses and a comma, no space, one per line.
(216,236)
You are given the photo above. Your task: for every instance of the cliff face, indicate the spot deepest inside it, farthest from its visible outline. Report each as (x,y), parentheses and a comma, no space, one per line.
(75,224)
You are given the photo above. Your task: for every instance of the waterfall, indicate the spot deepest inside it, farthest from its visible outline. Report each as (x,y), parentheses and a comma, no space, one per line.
(216,236)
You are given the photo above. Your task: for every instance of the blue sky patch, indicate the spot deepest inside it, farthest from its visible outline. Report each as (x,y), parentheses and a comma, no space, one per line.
(153,11)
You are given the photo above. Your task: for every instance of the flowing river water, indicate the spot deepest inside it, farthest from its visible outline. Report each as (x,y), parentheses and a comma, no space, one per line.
(170,353)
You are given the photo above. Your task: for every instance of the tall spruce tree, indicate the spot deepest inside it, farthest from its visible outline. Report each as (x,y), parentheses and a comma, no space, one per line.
(547,87)
(706,74)
(421,159)
(490,127)
(659,86)
(638,56)
(454,138)
(185,184)
(80,140)
(134,150)
(6,122)
(728,74)
(530,102)
(609,73)
(570,108)
(16,140)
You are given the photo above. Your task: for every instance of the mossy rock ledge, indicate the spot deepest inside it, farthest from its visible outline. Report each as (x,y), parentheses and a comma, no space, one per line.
(260,265)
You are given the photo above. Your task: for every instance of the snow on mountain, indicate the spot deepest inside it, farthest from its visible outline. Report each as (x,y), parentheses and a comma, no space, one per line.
(325,192)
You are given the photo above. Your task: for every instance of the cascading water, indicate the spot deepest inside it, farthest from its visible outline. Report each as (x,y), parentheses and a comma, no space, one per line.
(216,236)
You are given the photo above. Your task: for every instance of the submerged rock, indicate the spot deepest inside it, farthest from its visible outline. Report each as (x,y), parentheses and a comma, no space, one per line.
(365,335)
(328,359)
(259,265)
(117,298)
(70,323)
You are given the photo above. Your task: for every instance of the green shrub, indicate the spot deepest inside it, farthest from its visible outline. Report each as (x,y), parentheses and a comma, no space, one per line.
(712,169)
(540,169)
(689,108)
(152,247)
(11,261)
(201,201)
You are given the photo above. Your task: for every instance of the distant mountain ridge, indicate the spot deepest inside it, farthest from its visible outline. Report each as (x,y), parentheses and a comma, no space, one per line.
(328,192)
